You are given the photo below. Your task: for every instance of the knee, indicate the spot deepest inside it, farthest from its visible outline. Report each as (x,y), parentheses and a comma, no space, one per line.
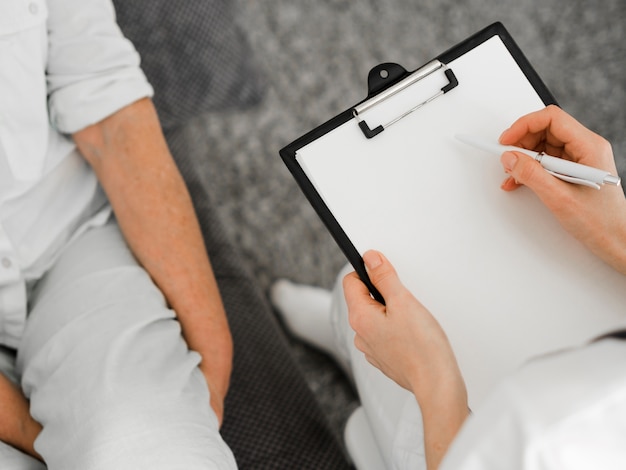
(158,430)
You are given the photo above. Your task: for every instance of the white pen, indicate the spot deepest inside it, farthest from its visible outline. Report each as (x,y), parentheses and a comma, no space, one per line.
(559,167)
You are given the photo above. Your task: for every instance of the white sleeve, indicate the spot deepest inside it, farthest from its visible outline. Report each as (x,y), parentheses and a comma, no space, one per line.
(562,411)
(493,438)
(92,69)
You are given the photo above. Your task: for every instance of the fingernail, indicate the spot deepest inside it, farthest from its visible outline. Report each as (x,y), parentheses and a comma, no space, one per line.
(372,259)
(502,135)
(509,159)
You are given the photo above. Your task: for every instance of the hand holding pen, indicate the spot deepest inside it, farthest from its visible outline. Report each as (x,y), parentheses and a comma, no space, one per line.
(551,132)
(596,218)
(561,168)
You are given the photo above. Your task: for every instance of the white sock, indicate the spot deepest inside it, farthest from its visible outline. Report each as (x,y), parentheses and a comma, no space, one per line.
(305,310)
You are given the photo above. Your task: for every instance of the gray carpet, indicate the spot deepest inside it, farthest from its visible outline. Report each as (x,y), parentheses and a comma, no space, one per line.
(315,57)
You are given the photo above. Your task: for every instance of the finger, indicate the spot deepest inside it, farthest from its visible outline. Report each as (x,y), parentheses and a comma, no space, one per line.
(555,132)
(525,170)
(360,344)
(356,293)
(533,127)
(383,275)
(373,361)
(360,303)
(510,184)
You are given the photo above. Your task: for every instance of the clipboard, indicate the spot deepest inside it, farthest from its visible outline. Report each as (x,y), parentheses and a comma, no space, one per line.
(505,281)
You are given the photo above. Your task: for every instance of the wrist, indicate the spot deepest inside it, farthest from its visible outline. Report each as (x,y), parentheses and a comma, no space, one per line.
(17,427)
(610,244)
(441,392)
(444,411)
(29,431)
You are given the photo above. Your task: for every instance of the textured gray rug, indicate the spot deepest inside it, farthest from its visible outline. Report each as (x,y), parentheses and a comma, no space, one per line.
(315,57)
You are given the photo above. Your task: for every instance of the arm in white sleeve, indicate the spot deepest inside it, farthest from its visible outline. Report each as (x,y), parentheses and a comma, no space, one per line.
(565,410)
(92,69)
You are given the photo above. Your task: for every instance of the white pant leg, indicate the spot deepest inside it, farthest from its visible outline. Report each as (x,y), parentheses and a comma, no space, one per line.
(392,411)
(10,457)
(107,371)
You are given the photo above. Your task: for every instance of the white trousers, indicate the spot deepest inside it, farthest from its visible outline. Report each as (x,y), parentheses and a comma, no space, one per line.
(107,371)
(393,415)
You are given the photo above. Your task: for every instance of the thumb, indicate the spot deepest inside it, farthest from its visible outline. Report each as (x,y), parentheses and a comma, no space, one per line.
(382,274)
(525,170)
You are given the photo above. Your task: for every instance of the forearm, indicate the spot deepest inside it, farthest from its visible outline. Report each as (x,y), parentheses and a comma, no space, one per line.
(596,218)
(442,395)
(443,414)
(408,345)
(610,244)
(156,215)
(17,427)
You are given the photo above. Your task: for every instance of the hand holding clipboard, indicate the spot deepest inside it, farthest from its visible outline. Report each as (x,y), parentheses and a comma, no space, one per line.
(402,184)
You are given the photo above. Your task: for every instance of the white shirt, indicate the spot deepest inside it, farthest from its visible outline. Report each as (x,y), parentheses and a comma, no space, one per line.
(561,412)
(64,65)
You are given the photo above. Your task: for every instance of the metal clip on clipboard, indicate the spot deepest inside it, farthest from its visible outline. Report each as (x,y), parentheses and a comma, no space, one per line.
(414,77)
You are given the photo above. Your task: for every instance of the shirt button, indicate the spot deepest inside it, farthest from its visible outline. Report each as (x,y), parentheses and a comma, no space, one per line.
(6,263)
(33,8)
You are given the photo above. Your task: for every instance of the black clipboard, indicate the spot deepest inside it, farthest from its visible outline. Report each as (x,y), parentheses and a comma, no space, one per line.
(382,78)
(459,243)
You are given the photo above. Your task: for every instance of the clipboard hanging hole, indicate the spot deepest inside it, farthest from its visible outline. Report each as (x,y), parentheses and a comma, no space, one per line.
(383,76)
